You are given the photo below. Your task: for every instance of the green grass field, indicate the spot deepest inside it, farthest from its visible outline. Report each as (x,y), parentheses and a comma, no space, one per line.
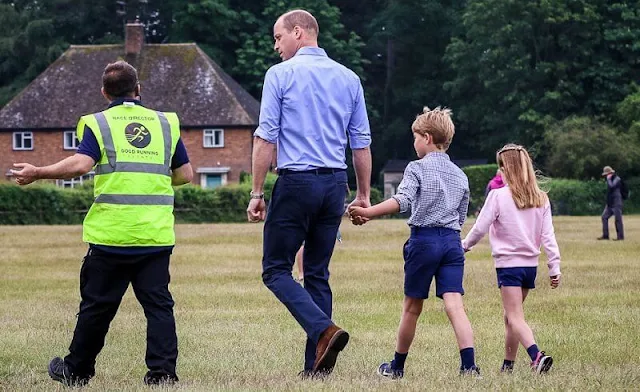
(234,334)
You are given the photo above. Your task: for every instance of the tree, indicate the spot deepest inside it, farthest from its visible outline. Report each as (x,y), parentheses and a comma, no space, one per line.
(213,24)
(628,111)
(579,147)
(519,65)
(406,44)
(33,34)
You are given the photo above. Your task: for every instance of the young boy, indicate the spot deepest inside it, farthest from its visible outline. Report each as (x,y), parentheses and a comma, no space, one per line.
(437,193)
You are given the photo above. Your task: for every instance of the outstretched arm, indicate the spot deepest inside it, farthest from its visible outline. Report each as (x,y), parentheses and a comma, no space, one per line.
(387,207)
(70,167)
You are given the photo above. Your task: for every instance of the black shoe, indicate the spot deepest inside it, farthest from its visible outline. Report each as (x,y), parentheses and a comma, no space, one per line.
(59,371)
(158,378)
(311,375)
(602,238)
(619,239)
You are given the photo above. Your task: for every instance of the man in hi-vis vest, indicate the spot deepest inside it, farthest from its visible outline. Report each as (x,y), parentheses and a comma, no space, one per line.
(138,155)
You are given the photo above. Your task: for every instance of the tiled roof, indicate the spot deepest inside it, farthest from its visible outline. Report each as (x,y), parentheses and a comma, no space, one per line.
(174,77)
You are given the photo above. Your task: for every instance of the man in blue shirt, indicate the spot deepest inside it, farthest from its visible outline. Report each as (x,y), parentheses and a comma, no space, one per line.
(311,108)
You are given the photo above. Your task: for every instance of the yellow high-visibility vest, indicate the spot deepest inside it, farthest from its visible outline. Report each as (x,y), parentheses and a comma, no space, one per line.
(133,203)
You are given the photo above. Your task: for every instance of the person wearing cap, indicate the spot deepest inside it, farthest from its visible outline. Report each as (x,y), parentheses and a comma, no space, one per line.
(614,204)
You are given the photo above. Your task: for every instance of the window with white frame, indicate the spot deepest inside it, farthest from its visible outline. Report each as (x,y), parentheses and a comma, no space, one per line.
(73,182)
(70,140)
(23,140)
(213,138)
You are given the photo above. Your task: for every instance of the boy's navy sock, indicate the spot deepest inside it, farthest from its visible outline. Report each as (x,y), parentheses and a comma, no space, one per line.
(398,361)
(507,365)
(533,351)
(468,358)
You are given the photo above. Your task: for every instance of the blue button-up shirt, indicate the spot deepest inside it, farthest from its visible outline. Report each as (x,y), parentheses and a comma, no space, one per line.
(311,106)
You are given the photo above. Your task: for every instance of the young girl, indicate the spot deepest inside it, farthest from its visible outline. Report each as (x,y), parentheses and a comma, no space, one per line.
(518,219)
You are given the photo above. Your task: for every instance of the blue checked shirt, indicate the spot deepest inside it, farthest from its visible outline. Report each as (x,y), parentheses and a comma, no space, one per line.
(436,191)
(311,106)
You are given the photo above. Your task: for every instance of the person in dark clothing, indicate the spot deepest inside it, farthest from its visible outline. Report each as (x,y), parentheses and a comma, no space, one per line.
(614,204)
(138,157)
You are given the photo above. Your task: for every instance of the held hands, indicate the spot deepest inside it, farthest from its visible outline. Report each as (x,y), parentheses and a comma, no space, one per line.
(256,210)
(465,247)
(358,213)
(26,175)
(555,281)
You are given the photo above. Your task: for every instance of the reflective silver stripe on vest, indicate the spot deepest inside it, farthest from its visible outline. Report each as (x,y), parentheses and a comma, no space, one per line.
(147,200)
(105,131)
(130,167)
(166,133)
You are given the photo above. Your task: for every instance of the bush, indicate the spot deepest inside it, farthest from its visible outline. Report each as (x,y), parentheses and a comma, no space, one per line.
(269,182)
(42,204)
(573,197)
(579,147)
(47,204)
(568,197)
(479,176)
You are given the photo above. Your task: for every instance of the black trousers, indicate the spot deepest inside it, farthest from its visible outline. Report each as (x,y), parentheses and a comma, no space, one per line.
(609,211)
(104,278)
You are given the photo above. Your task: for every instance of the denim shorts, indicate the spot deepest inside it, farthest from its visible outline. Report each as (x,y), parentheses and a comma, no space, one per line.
(524,277)
(433,252)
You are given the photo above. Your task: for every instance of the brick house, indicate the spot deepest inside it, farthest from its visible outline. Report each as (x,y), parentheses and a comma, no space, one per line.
(217,115)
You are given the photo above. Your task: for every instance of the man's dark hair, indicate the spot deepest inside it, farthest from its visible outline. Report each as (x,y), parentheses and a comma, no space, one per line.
(119,79)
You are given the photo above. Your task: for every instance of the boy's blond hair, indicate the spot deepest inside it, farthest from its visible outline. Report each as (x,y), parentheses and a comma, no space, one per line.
(437,123)
(517,170)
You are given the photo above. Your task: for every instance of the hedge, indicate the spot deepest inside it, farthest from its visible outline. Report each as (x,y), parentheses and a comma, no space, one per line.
(568,197)
(479,176)
(47,204)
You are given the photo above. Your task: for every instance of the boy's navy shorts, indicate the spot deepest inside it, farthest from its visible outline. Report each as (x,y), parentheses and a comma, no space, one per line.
(524,277)
(433,252)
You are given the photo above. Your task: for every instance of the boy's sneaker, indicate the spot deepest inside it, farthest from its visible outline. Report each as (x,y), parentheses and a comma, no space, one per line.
(385,370)
(59,371)
(542,364)
(506,369)
(472,371)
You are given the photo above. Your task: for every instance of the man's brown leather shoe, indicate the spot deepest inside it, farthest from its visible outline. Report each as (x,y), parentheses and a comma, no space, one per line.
(332,341)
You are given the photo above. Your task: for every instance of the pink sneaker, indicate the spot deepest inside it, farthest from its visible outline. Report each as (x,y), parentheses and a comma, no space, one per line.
(542,364)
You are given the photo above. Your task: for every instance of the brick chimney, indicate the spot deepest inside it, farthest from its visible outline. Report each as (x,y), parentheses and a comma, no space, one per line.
(133,38)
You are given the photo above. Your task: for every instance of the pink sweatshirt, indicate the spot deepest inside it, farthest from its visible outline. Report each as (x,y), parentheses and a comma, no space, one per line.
(515,235)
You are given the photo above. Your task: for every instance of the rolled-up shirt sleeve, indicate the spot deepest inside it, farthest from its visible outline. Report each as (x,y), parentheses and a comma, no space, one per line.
(270,108)
(358,128)
(408,187)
